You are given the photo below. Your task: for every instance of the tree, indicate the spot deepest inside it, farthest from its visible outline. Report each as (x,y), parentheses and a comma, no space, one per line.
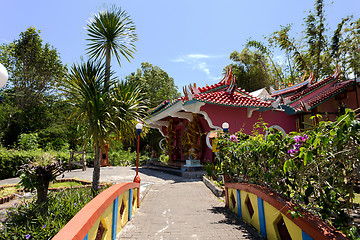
(34,69)
(158,86)
(155,83)
(34,72)
(111,32)
(315,51)
(104,108)
(251,69)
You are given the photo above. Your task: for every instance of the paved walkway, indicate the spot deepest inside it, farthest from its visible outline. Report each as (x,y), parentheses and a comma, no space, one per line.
(184,210)
(172,207)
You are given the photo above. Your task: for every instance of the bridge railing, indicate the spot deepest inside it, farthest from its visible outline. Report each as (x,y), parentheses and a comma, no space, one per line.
(270,214)
(105,215)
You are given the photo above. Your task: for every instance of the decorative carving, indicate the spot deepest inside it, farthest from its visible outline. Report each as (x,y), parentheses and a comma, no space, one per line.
(192,139)
(171,148)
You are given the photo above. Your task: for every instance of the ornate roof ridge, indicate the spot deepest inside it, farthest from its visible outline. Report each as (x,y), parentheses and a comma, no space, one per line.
(317,85)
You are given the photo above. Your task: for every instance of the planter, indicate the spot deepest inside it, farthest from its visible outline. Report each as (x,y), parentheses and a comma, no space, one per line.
(219,192)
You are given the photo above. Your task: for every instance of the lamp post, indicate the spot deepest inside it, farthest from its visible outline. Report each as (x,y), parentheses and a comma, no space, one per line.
(3,76)
(225,127)
(139,127)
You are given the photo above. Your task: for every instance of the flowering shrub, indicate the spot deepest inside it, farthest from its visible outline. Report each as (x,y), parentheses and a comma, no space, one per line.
(317,170)
(233,138)
(299,140)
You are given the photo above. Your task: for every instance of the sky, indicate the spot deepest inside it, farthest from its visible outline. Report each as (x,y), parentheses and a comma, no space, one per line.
(189,39)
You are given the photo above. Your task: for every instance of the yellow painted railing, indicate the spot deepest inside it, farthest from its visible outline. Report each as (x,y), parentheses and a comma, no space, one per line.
(103,216)
(269,213)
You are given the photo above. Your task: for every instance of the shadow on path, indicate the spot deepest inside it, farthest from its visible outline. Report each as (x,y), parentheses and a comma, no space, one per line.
(232,219)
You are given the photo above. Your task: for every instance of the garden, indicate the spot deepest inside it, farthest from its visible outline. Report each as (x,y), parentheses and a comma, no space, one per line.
(50,109)
(317,170)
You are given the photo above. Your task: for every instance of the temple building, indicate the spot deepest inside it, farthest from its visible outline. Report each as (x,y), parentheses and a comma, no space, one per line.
(189,122)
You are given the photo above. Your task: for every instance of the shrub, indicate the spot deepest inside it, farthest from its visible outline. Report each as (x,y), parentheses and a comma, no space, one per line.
(11,160)
(54,138)
(125,158)
(38,174)
(28,141)
(317,169)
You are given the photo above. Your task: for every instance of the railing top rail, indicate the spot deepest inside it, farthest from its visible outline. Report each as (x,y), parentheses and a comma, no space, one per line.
(80,224)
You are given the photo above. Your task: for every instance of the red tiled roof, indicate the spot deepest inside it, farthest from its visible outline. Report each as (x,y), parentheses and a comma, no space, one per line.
(228,99)
(312,88)
(208,88)
(328,93)
(289,89)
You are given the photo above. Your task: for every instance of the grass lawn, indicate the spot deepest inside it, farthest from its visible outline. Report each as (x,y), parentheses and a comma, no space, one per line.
(65,184)
(7,191)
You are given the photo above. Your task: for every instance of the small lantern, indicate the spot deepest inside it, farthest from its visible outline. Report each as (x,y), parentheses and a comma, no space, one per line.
(225,127)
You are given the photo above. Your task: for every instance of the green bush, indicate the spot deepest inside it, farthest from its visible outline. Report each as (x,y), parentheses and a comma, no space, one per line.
(54,138)
(125,158)
(11,160)
(317,170)
(28,141)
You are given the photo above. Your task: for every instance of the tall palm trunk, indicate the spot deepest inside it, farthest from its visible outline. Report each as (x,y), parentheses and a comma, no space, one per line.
(96,172)
(107,68)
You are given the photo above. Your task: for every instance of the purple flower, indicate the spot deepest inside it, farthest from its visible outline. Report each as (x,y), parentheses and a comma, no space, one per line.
(75,204)
(305,137)
(44,226)
(297,138)
(27,236)
(233,138)
(99,187)
(15,204)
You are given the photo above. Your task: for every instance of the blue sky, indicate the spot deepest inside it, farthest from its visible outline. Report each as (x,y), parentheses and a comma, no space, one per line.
(190,39)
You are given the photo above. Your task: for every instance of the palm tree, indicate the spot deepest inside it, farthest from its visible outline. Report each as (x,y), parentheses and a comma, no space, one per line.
(101,107)
(111,32)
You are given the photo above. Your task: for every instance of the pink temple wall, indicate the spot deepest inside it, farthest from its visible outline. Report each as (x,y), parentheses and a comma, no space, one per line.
(237,118)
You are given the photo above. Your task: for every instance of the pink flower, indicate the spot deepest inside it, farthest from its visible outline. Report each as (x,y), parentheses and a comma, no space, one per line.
(233,138)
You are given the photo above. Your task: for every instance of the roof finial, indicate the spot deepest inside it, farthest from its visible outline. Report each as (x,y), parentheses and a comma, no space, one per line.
(337,72)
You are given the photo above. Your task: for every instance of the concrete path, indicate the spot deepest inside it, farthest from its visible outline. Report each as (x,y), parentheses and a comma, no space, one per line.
(172,207)
(184,210)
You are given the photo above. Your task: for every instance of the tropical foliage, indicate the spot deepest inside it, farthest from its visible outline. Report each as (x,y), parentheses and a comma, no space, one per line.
(155,82)
(38,174)
(317,169)
(317,50)
(111,32)
(30,103)
(102,108)
(252,69)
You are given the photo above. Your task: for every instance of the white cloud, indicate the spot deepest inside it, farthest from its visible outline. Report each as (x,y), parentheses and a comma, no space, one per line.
(199,56)
(198,62)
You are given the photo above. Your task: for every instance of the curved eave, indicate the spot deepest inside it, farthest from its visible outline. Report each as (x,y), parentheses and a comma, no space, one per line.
(231,105)
(326,99)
